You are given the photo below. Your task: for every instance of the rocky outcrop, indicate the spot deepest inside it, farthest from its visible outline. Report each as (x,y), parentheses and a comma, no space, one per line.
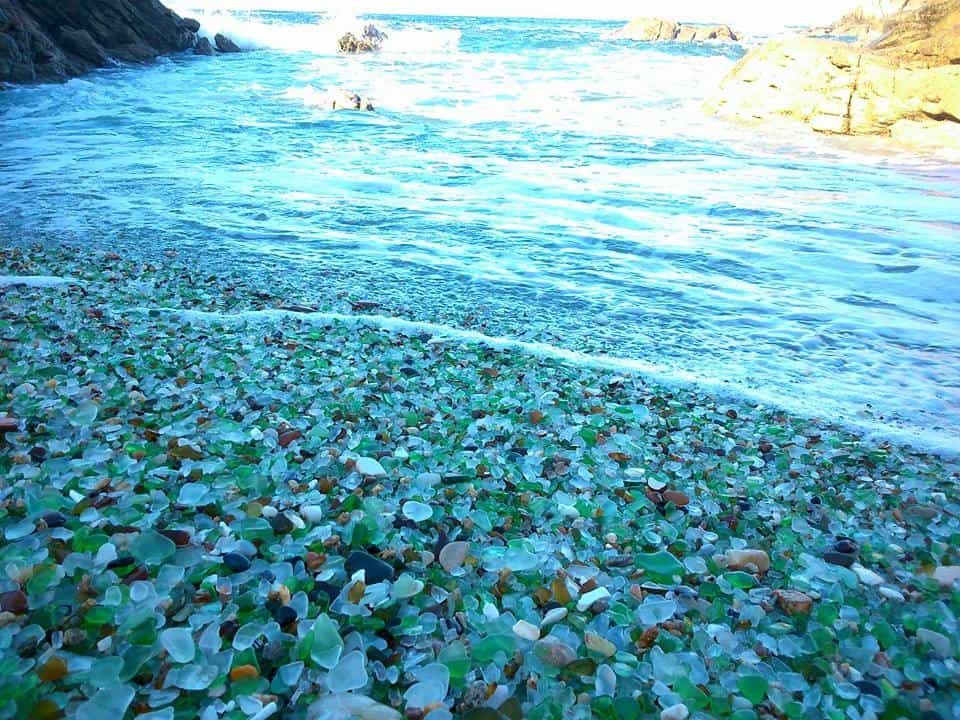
(659,30)
(905,85)
(865,20)
(50,40)
(370,40)
(55,40)
(926,35)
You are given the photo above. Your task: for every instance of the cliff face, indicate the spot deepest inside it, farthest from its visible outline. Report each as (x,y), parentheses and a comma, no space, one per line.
(53,40)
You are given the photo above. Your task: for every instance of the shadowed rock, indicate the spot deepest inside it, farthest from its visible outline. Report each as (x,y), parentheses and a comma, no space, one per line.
(203,47)
(54,40)
(225,44)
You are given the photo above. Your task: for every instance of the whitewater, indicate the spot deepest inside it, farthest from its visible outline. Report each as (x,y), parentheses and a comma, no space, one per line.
(529,182)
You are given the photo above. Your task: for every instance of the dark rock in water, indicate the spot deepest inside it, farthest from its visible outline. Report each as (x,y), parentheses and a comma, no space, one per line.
(14,601)
(370,40)
(53,40)
(203,47)
(236,562)
(191,25)
(225,44)
(376,570)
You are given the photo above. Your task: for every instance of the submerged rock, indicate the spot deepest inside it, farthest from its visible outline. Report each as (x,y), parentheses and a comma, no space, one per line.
(370,40)
(650,29)
(345,100)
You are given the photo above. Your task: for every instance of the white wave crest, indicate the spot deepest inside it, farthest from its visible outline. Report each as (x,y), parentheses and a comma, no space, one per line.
(252,31)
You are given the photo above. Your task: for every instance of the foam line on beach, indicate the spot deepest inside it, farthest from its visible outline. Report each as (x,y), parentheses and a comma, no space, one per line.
(932,441)
(37,281)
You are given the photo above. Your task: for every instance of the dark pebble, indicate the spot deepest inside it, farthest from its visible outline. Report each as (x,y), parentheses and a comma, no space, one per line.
(140,573)
(180,538)
(14,601)
(845,545)
(257,402)
(120,562)
(236,562)
(376,570)
(619,561)
(868,688)
(281,524)
(838,558)
(285,616)
(229,629)
(272,651)
(323,588)
(599,607)
(54,519)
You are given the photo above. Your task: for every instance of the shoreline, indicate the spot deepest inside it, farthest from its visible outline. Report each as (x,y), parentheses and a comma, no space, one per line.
(269,294)
(673,549)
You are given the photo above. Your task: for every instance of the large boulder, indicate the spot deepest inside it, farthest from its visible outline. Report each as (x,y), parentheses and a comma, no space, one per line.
(53,40)
(650,29)
(836,88)
(369,40)
(906,85)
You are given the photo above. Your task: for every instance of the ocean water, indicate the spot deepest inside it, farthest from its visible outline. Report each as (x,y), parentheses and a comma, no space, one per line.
(525,179)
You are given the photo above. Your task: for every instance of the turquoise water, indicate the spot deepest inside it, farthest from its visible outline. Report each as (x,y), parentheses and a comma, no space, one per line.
(526,179)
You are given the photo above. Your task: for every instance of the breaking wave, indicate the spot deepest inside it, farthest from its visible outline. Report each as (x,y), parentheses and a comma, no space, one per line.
(312,32)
